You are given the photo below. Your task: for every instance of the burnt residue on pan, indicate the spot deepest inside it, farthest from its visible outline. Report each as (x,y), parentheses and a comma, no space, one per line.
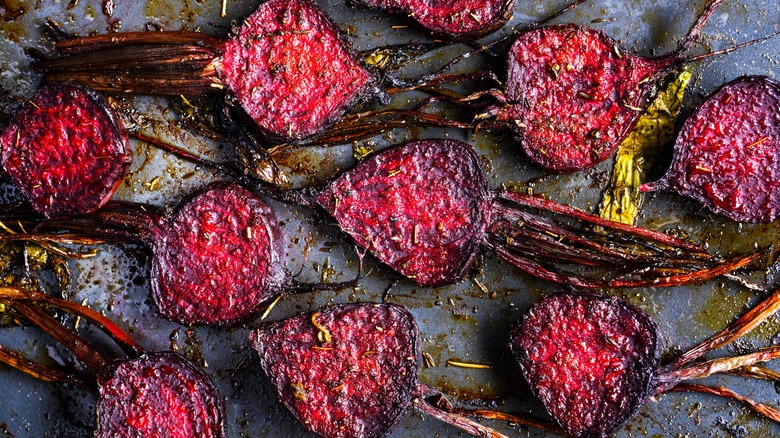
(465,322)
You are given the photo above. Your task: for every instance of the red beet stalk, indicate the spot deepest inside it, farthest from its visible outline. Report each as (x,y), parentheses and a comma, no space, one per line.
(149,394)
(593,360)
(350,370)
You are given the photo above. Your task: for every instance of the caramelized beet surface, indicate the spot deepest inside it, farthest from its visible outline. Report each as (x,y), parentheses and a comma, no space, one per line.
(218,258)
(573,94)
(421,208)
(159,394)
(354,381)
(726,154)
(291,69)
(590,359)
(451,19)
(66,151)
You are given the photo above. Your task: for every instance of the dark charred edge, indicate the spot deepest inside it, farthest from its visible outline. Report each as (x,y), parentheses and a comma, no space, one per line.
(414,337)
(665,183)
(214,393)
(491,26)
(276,285)
(642,394)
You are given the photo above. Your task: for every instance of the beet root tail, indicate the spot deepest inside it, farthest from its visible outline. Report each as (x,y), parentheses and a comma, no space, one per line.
(465,424)
(761,408)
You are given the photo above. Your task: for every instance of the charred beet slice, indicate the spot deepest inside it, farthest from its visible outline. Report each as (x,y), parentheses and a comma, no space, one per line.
(218,258)
(291,69)
(420,207)
(452,19)
(159,394)
(726,154)
(348,371)
(575,95)
(590,359)
(66,151)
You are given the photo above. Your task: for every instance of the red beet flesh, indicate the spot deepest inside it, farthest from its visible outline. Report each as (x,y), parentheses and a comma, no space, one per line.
(452,19)
(420,207)
(356,384)
(726,154)
(575,95)
(66,151)
(162,395)
(218,258)
(291,69)
(590,359)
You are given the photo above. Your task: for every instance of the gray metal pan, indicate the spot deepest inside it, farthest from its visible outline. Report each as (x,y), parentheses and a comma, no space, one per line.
(469,320)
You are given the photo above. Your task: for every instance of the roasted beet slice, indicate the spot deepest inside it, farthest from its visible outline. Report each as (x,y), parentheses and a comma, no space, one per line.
(593,360)
(288,66)
(574,94)
(159,394)
(66,151)
(422,208)
(218,258)
(354,377)
(143,395)
(350,370)
(451,19)
(590,359)
(727,153)
(291,70)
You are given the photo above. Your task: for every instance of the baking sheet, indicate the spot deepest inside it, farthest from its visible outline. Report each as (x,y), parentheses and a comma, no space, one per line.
(462,321)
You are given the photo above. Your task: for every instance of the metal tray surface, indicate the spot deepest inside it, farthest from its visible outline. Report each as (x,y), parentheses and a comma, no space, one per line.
(463,321)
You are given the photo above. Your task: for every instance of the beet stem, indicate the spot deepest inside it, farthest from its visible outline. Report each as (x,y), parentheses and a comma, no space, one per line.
(546,426)
(701,370)
(101,42)
(695,30)
(761,408)
(39,371)
(243,177)
(127,343)
(87,354)
(459,421)
(756,372)
(739,328)
(723,52)
(546,205)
